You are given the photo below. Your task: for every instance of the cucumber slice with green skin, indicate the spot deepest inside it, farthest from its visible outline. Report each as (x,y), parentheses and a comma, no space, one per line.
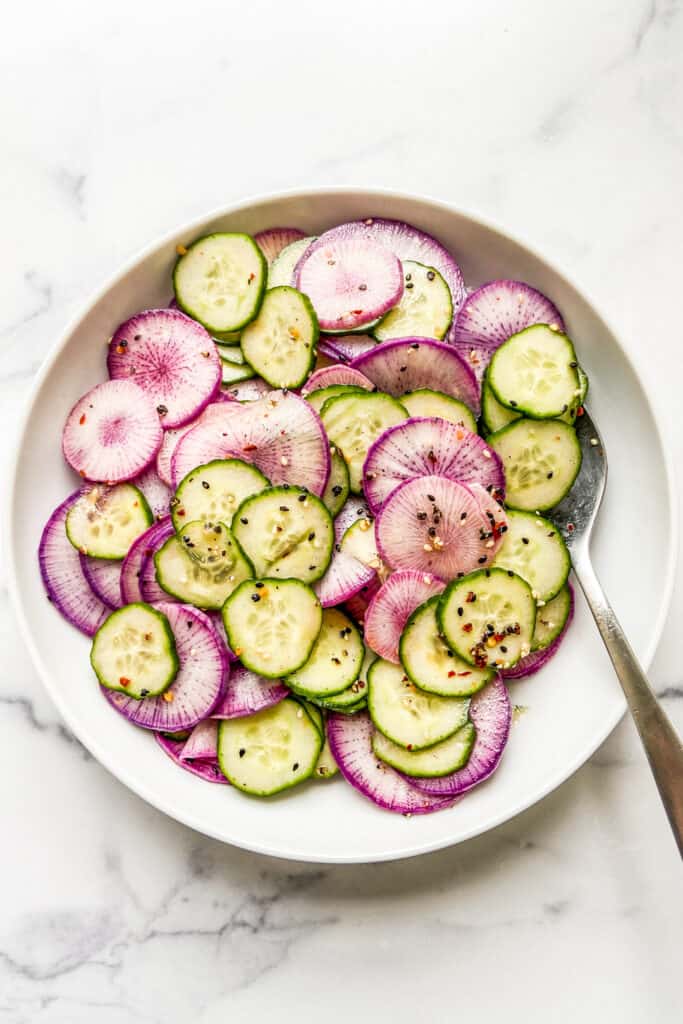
(541,459)
(551,619)
(134,652)
(269,751)
(227,337)
(353,422)
(315,715)
(353,698)
(410,717)
(429,662)
(534,372)
(495,415)
(272,625)
(425,309)
(318,398)
(281,342)
(286,532)
(583,384)
(272,241)
(203,566)
(281,270)
(104,521)
(441,759)
(234,373)
(230,350)
(326,766)
(488,618)
(359,542)
(337,490)
(534,549)
(425,403)
(215,491)
(220,281)
(335,660)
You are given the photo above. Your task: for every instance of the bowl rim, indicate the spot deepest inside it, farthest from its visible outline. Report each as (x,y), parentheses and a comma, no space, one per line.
(635,363)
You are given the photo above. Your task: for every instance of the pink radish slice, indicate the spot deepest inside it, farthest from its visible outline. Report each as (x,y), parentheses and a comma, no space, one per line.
(112,433)
(172,437)
(245,391)
(346,576)
(204,438)
(358,604)
(172,358)
(274,240)
(407,364)
(345,347)
(199,685)
(350,739)
(155,491)
(151,590)
(247,693)
(428,447)
(104,578)
(392,606)
(63,577)
(351,281)
(281,435)
(494,312)
(207,770)
(217,622)
(432,503)
(329,375)
(134,562)
(494,519)
(491,714)
(202,743)
(529,665)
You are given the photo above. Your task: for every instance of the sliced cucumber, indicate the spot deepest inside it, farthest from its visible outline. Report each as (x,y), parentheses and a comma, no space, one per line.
(353,698)
(281,270)
(326,766)
(234,372)
(354,421)
(583,384)
(134,652)
(334,662)
(203,565)
(272,625)
(337,488)
(230,350)
(359,541)
(534,549)
(441,759)
(534,372)
(541,459)
(215,491)
(427,403)
(425,309)
(269,751)
(315,714)
(495,415)
(318,398)
(286,532)
(410,717)
(550,620)
(281,342)
(104,521)
(430,663)
(220,281)
(488,618)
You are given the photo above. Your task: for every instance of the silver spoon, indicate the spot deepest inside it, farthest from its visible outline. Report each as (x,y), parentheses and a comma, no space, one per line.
(574,517)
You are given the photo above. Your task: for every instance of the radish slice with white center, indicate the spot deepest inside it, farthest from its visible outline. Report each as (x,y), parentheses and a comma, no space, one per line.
(172,358)
(530,664)
(345,347)
(494,519)
(428,447)
(152,592)
(493,313)
(104,578)
(202,743)
(410,364)
(434,525)
(358,605)
(207,770)
(329,375)
(350,739)
(60,567)
(172,437)
(112,433)
(346,575)
(350,281)
(245,391)
(157,493)
(491,714)
(392,606)
(134,562)
(272,241)
(247,692)
(281,435)
(203,442)
(199,684)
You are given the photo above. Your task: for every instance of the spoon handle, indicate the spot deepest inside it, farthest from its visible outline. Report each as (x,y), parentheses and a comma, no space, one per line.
(662,746)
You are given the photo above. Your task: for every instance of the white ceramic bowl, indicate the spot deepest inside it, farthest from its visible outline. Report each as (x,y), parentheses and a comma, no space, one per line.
(572,705)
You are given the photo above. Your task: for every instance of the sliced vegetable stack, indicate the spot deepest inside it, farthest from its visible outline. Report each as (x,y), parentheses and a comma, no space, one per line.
(294,552)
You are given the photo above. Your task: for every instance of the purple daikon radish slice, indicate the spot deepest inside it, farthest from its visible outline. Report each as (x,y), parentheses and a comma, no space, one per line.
(134,562)
(274,240)
(491,714)
(247,693)
(65,582)
(494,519)
(358,604)
(157,493)
(329,375)
(201,744)
(172,437)
(392,606)
(530,664)
(345,577)
(104,578)
(207,770)
(350,739)
(345,347)
(152,592)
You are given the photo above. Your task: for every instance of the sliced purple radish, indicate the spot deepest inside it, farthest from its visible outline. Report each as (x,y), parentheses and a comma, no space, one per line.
(134,562)
(281,435)
(531,664)
(112,433)
(247,693)
(330,375)
(392,606)
(428,447)
(245,391)
(493,313)
(345,347)
(202,743)
(199,685)
(157,493)
(494,519)
(434,525)
(358,604)
(207,770)
(350,739)
(63,577)
(408,364)
(203,441)
(104,578)
(351,281)
(172,358)
(345,577)
(165,453)
(150,589)
(274,240)
(491,714)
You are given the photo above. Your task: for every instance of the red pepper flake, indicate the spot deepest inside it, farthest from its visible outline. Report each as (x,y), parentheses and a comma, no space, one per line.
(181,250)
(451,674)
(124,681)
(461,674)
(121,350)
(251,277)
(471,597)
(467,628)
(82,419)
(356,312)
(570,527)
(250,448)
(580,411)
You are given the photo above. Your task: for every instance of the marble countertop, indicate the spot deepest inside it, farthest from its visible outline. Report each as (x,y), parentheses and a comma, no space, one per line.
(561,122)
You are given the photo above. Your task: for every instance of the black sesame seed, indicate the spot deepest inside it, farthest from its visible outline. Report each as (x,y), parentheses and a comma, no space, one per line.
(402,369)
(525,540)
(573,365)
(143,693)
(302,497)
(430,275)
(409,284)
(461,611)
(432,531)
(205,484)
(463,516)
(550,475)
(244,520)
(336,490)
(513,404)
(162,410)
(422,515)
(503,649)
(482,559)
(284,508)
(295,766)
(362,287)
(259,585)
(242,751)
(256,597)
(415,346)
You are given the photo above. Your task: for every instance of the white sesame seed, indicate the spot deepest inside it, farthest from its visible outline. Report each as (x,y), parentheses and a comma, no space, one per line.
(427,547)
(284,461)
(486,453)
(489,544)
(594,441)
